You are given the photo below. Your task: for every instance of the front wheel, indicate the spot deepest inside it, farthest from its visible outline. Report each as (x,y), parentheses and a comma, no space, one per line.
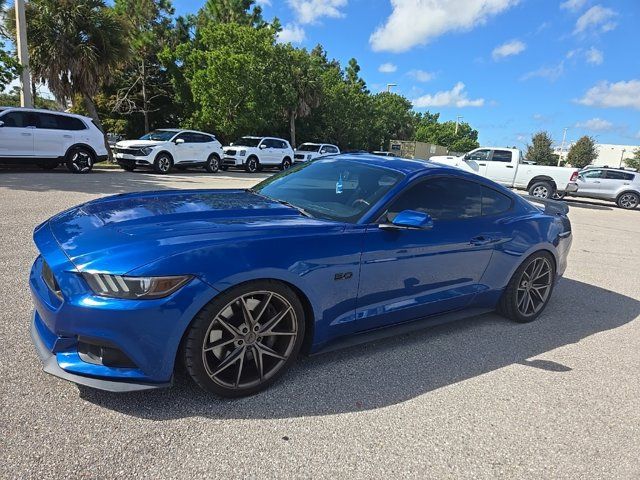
(242,341)
(163,163)
(628,201)
(286,164)
(213,163)
(252,165)
(542,189)
(529,289)
(79,160)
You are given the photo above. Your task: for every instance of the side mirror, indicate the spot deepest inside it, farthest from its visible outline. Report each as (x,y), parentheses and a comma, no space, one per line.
(1,123)
(179,141)
(263,146)
(409,220)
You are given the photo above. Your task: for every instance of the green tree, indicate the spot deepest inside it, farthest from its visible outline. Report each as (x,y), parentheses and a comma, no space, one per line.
(75,47)
(393,118)
(430,130)
(9,66)
(540,150)
(241,12)
(582,153)
(633,162)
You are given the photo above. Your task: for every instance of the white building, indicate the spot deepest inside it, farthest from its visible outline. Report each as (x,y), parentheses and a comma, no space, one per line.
(608,154)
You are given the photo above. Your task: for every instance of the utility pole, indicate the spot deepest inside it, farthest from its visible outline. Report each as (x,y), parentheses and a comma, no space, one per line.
(389,85)
(624,150)
(458,118)
(26,100)
(564,138)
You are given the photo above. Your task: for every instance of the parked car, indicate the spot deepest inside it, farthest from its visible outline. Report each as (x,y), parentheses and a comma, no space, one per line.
(166,148)
(381,153)
(615,185)
(235,283)
(255,153)
(508,167)
(48,139)
(309,151)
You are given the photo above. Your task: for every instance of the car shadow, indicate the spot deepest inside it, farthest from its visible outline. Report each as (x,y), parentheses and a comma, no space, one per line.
(394,370)
(589,204)
(113,181)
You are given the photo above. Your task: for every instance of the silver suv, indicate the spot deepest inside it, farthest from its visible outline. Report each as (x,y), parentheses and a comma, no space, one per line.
(616,185)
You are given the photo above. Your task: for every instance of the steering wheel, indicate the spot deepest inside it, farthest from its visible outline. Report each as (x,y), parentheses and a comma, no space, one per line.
(359,200)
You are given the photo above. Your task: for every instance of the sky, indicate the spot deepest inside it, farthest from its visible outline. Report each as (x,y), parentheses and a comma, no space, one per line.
(508,67)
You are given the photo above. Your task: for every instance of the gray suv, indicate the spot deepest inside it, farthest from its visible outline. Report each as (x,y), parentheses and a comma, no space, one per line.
(616,185)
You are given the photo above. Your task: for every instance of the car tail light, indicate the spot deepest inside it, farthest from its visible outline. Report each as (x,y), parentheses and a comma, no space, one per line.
(574,176)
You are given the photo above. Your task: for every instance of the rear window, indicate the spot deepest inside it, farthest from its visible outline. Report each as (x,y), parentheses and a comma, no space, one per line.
(502,156)
(616,175)
(494,202)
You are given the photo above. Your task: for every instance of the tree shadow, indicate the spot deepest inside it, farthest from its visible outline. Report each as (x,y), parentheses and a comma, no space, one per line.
(391,371)
(113,181)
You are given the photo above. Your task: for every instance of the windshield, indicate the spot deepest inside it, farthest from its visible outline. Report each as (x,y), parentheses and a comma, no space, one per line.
(247,142)
(308,147)
(339,190)
(160,135)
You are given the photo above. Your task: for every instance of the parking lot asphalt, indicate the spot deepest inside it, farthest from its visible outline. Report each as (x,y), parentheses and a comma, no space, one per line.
(480,398)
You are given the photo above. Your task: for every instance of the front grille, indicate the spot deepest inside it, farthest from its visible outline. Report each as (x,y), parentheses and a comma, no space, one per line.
(299,156)
(129,151)
(50,280)
(229,162)
(230,152)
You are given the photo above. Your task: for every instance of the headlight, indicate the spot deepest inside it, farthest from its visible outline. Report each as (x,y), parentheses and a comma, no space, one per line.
(146,150)
(243,153)
(144,288)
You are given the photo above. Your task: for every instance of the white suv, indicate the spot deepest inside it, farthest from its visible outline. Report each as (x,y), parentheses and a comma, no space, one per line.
(47,138)
(167,148)
(253,153)
(309,151)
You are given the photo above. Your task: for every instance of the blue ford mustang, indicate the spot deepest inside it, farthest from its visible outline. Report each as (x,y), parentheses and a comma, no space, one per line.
(235,283)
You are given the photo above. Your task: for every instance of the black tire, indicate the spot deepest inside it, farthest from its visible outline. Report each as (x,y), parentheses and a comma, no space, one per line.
(79,160)
(542,189)
(128,168)
(163,163)
(206,364)
(213,163)
(48,165)
(286,164)
(511,303)
(628,200)
(252,165)
(559,195)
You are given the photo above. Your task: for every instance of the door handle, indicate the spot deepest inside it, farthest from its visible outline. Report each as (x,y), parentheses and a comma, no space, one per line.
(596,181)
(482,164)
(509,166)
(481,240)
(67,136)
(25,134)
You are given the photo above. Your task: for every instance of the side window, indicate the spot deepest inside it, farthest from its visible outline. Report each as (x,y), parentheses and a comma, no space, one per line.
(70,123)
(19,120)
(478,155)
(592,174)
(280,144)
(502,156)
(201,138)
(443,198)
(48,121)
(187,137)
(494,202)
(614,175)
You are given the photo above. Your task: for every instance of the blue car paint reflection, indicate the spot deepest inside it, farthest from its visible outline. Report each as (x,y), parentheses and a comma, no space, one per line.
(226,237)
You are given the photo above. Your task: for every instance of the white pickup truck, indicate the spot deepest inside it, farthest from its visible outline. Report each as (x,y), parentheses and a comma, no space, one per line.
(508,167)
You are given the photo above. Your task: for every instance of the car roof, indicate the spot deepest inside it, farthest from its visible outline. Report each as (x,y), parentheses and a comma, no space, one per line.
(183,130)
(44,110)
(403,165)
(262,138)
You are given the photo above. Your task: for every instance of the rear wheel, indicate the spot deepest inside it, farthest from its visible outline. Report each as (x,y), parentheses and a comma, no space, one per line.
(628,200)
(245,339)
(529,290)
(542,189)
(213,163)
(163,163)
(79,160)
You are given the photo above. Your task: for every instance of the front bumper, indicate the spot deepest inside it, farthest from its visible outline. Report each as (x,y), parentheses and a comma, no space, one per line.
(127,160)
(232,161)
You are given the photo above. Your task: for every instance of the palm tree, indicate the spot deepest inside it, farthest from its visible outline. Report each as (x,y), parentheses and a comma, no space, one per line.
(75,47)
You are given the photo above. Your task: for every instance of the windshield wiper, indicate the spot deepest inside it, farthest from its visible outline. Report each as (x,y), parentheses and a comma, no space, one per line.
(281,202)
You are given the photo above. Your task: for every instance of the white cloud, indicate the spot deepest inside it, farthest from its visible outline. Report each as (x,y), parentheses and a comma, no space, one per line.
(387,68)
(550,73)
(610,95)
(573,5)
(508,49)
(594,56)
(311,11)
(596,19)
(417,22)
(596,124)
(263,3)
(456,97)
(421,75)
(291,33)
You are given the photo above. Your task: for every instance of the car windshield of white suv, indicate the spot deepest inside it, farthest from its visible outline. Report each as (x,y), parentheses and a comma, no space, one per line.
(308,147)
(159,135)
(339,190)
(247,142)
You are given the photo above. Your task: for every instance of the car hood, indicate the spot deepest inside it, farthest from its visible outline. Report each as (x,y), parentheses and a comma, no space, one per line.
(138,143)
(121,233)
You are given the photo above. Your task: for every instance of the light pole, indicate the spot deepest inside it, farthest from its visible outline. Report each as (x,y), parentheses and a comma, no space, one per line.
(458,118)
(391,85)
(564,138)
(622,156)
(26,100)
